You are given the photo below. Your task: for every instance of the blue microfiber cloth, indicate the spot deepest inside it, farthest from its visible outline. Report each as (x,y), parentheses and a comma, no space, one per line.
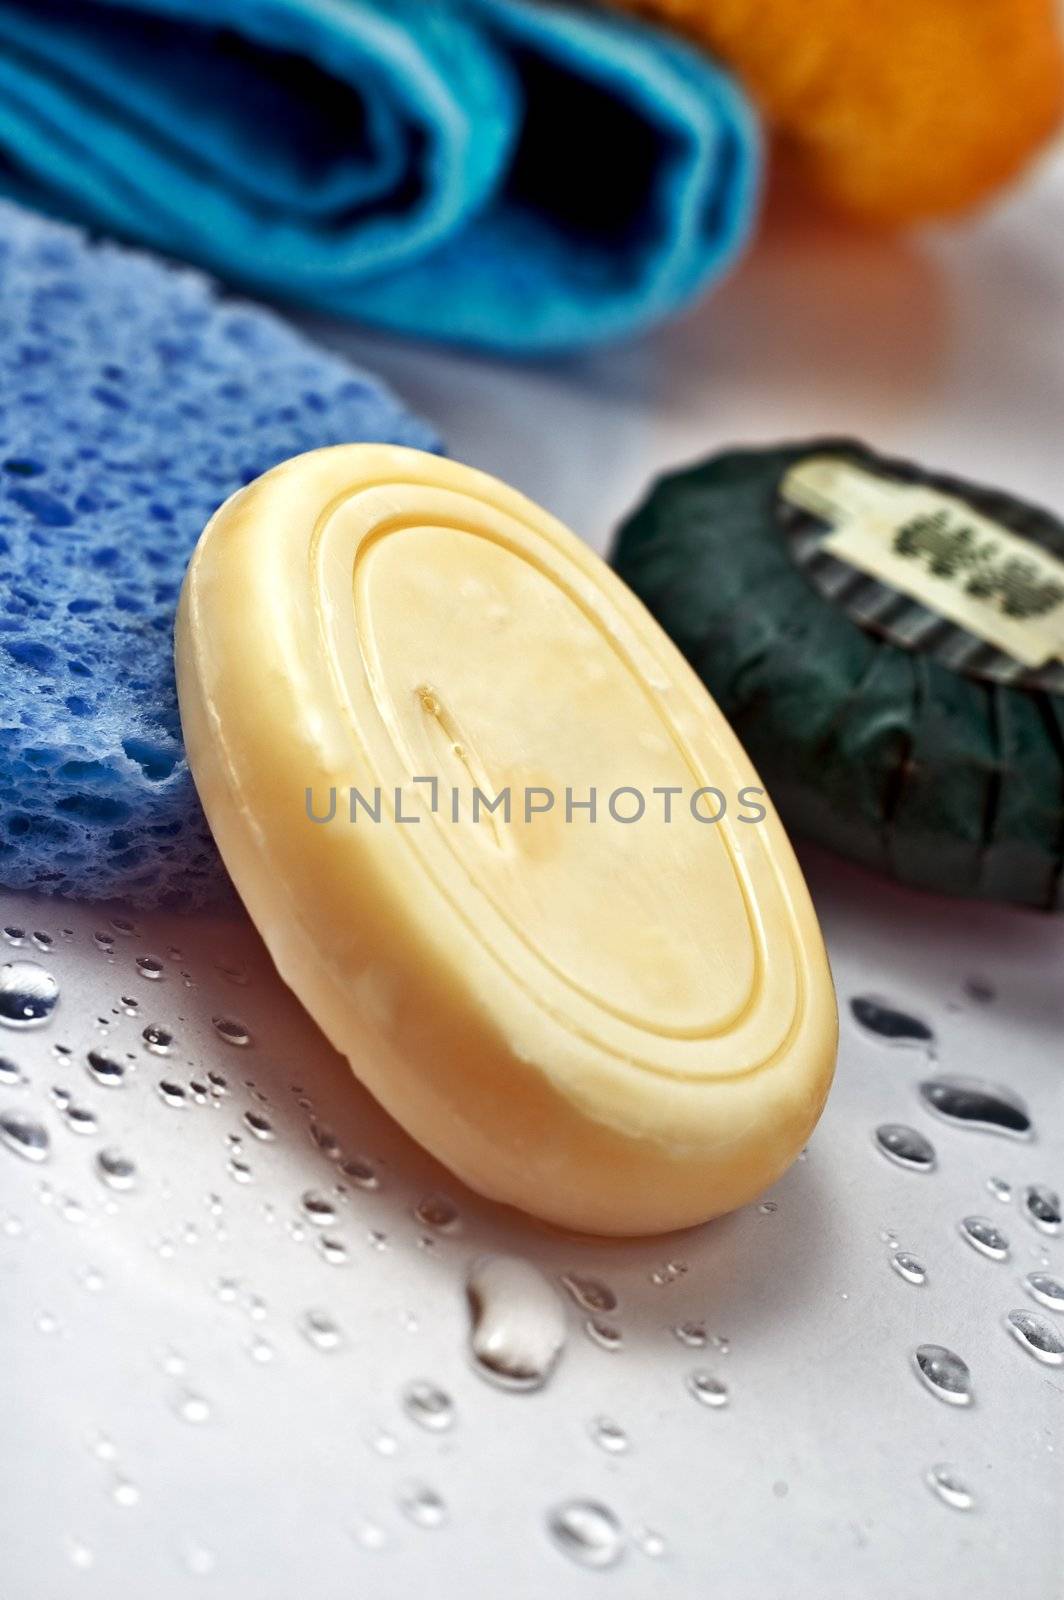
(509,173)
(132,402)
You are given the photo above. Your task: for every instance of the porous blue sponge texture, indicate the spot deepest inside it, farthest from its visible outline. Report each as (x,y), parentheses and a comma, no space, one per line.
(133,400)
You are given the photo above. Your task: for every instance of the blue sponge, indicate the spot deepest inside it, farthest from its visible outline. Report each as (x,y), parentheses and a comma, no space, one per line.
(132,401)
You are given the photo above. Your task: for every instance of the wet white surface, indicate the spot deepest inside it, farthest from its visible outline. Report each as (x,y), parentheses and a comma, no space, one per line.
(202,1395)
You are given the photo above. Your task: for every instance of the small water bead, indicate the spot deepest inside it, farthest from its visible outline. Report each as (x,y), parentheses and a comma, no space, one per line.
(945,1482)
(47,1323)
(605,1334)
(667,1273)
(905,1147)
(708,1390)
(385,1443)
(376,1239)
(150,967)
(28,994)
(80,1119)
(590,1294)
(260,1126)
(518,1324)
(768,1207)
(429,1406)
(24,1135)
(1042,1207)
(371,1536)
(650,1542)
(888,1023)
(92,1279)
(125,927)
(261,1350)
(587,1532)
(971,1103)
(691,1334)
(944,1373)
(437,1211)
(232,1031)
(124,1493)
(333,1250)
(1037,1335)
(218,1085)
(192,1408)
(173,1094)
(79,1554)
(239,1170)
(72,1210)
(422,1505)
(130,1004)
(319,1329)
(11,1074)
(1000,1189)
(609,1435)
(318,1208)
(116,1170)
(106,1070)
(325,1139)
(908,1267)
(1048,1291)
(984,1236)
(157,1039)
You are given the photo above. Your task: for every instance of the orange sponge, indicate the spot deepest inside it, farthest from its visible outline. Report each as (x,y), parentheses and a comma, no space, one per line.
(896,110)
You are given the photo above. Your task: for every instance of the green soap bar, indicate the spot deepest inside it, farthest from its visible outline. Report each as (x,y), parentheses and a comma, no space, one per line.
(883,726)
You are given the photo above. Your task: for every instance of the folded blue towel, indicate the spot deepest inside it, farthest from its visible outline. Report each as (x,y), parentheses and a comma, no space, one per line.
(132,402)
(507,173)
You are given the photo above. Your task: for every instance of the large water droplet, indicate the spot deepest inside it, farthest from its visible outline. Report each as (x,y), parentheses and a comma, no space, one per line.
(944,1373)
(1037,1335)
(518,1326)
(1042,1205)
(887,1022)
(984,1236)
(158,1040)
(24,1135)
(708,1390)
(260,1126)
(106,1070)
(905,1146)
(429,1406)
(116,1170)
(945,1482)
(587,1532)
(971,1103)
(150,967)
(1048,1291)
(908,1267)
(28,994)
(590,1294)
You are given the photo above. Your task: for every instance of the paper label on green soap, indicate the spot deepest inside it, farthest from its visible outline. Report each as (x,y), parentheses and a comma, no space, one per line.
(997,586)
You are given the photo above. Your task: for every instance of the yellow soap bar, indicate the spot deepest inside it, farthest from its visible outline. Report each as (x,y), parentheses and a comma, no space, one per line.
(402,688)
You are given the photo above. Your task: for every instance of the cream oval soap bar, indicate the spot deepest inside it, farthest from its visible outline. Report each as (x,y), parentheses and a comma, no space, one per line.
(501,843)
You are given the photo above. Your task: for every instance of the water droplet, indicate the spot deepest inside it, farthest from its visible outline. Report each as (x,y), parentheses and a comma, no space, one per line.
(908,1267)
(1042,1205)
(422,1505)
(43,941)
(944,1481)
(590,1294)
(24,1135)
(150,967)
(518,1325)
(260,1126)
(15,936)
(326,1140)
(1046,1290)
(1037,1335)
(233,1032)
(318,1208)
(692,1334)
(609,1435)
(218,1084)
(10,1072)
(944,1373)
(985,1237)
(320,1330)
(125,1493)
(116,1170)
(587,1532)
(47,1323)
(92,1279)
(767,1207)
(361,1172)
(333,1250)
(79,1554)
(173,1094)
(28,994)
(261,1350)
(970,1103)
(1000,1189)
(707,1390)
(158,1040)
(79,1119)
(905,1147)
(887,1022)
(650,1542)
(106,1070)
(192,1407)
(605,1334)
(239,1170)
(438,1212)
(667,1273)
(124,926)
(429,1406)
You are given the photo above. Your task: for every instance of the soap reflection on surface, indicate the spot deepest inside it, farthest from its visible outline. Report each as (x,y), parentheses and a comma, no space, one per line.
(203,1219)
